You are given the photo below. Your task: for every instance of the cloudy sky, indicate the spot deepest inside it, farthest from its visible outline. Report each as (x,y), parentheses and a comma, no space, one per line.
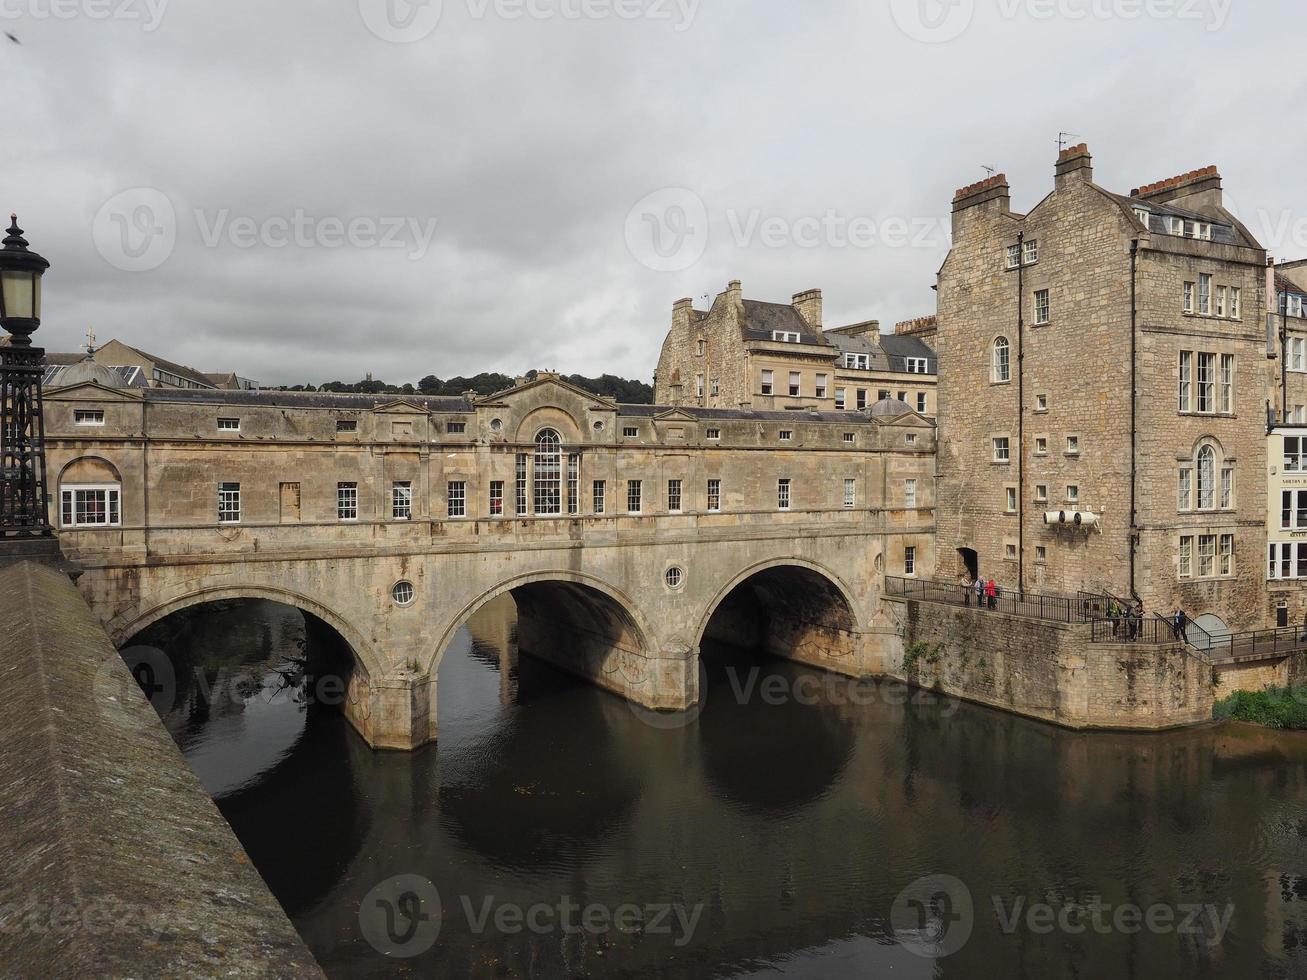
(307,190)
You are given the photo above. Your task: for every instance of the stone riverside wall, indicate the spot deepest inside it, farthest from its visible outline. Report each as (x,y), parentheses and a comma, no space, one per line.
(115,860)
(1049,671)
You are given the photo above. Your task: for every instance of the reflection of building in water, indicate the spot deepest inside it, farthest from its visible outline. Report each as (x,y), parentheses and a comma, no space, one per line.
(494,640)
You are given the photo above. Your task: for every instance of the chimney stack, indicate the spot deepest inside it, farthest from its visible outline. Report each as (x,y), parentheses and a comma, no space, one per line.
(992,195)
(808,303)
(1074,163)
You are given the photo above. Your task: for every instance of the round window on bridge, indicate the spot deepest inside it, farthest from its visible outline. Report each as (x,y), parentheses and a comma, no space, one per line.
(675,578)
(403,593)
(497,425)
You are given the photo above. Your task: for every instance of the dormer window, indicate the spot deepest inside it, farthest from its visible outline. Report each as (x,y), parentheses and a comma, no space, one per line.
(918,365)
(1175,226)
(785,337)
(858,362)
(1143,216)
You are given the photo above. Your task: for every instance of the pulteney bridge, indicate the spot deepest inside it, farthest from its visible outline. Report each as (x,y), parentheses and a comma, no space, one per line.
(625,534)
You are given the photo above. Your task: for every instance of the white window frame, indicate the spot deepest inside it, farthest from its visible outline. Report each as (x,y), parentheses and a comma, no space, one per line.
(1031,254)
(768,382)
(1001,361)
(1002,449)
(229,425)
(401,500)
(1043,307)
(784,497)
(850,494)
(714,496)
(88,416)
(796,384)
(229,493)
(1205,294)
(1013,257)
(456,499)
(113,505)
(910,561)
(786,337)
(675,496)
(347,502)
(821,386)
(635,496)
(857,362)
(910,494)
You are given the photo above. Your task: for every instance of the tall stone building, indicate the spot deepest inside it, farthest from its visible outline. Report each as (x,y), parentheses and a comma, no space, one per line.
(745,353)
(1103,388)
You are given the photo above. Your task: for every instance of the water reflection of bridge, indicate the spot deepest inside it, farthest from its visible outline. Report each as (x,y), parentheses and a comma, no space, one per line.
(794,824)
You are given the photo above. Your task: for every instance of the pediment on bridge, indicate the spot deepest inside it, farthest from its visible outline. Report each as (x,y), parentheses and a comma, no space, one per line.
(675,415)
(401,406)
(551,388)
(93,391)
(907,419)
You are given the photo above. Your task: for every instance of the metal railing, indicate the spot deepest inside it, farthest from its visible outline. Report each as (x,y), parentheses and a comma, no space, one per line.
(1253,644)
(1129,628)
(1053,608)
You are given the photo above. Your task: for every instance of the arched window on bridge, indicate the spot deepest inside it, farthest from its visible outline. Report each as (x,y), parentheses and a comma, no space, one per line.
(90,495)
(548,485)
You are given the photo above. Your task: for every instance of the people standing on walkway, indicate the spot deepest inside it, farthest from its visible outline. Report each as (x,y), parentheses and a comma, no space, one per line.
(980,591)
(991,592)
(1178,623)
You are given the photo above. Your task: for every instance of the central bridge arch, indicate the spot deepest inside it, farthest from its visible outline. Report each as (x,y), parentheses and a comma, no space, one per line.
(578,623)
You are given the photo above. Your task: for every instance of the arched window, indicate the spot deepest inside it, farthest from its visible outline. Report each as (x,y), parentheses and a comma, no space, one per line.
(1002,360)
(90,495)
(1207,483)
(1207,478)
(548,473)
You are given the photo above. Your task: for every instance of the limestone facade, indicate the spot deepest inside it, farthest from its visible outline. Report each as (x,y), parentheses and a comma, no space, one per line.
(744,353)
(1047,323)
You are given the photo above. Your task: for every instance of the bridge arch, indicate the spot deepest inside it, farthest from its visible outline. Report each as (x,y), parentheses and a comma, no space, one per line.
(587,602)
(807,576)
(363,650)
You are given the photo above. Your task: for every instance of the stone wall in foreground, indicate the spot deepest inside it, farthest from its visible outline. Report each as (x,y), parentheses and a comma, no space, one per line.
(116,861)
(1049,671)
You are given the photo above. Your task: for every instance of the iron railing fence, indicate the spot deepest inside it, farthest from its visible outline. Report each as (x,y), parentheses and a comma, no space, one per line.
(1054,608)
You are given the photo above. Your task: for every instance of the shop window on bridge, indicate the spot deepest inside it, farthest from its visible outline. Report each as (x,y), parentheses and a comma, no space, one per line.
(91,506)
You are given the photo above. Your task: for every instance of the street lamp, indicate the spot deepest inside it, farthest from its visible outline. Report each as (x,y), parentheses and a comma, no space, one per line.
(21,270)
(23,512)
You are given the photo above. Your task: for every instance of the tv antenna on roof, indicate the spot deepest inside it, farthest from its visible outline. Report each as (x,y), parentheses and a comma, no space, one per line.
(1064,138)
(989,171)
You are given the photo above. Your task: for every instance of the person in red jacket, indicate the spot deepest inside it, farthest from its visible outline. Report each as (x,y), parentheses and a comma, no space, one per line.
(991,592)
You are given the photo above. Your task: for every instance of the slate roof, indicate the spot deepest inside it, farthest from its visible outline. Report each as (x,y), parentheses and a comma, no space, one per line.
(890,352)
(1223,233)
(305,399)
(761,319)
(740,414)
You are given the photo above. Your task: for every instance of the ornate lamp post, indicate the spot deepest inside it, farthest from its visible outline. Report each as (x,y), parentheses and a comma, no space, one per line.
(23,513)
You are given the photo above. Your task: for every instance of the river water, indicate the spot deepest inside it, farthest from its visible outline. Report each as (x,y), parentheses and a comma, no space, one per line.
(799,826)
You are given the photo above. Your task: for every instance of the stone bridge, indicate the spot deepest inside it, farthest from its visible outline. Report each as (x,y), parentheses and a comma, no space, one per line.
(626,535)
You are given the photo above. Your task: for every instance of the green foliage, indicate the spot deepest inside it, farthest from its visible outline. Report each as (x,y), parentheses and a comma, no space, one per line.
(1276,707)
(606,386)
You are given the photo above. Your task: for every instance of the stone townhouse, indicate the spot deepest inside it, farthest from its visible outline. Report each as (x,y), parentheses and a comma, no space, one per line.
(1103,388)
(1289,336)
(744,353)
